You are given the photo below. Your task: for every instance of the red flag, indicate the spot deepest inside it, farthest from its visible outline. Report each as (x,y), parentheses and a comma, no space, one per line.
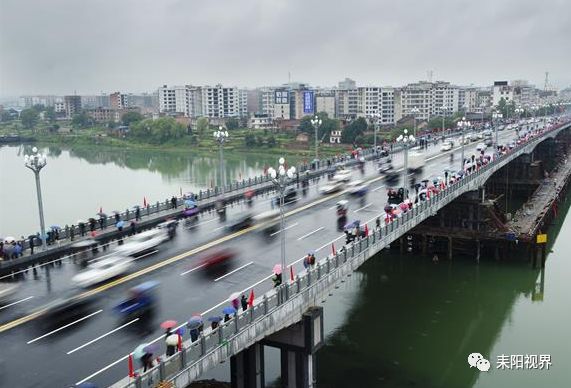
(179,344)
(333,249)
(131,370)
(291,277)
(144,201)
(251,299)
(366,230)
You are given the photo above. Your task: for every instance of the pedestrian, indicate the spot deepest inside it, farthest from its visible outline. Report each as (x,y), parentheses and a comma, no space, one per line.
(236,304)
(147,361)
(56,234)
(133,227)
(172,342)
(2,250)
(117,217)
(101,222)
(244,302)
(72,231)
(81,229)
(174,202)
(91,224)
(277,279)
(138,214)
(378,223)
(194,334)
(18,250)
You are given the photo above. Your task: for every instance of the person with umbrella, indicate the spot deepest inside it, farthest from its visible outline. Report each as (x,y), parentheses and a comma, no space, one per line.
(102,220)
(117,216)
(81,225)
(214,321)
(244,302)
(227,311)
(234,300)
(277,278)
(195,326)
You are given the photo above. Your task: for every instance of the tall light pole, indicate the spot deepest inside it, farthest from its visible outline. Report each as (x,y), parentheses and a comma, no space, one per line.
(281,178)
(316,122)
(463,124)
(443,109)
(374,120)
(221,136)
(405,139)
(35,162)
(415,111)
(496,115)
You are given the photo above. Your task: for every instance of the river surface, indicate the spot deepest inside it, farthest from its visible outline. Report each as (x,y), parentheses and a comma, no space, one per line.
(77,182)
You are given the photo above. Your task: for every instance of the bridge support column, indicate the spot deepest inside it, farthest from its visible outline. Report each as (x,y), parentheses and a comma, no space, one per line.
(247,368)
(449,248)
(424,244)
(298,345)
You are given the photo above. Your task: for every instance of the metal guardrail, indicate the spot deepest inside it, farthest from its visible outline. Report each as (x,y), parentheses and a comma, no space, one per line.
(285,305)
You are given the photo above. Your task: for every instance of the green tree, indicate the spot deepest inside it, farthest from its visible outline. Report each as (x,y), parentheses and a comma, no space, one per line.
(353,130)
(50,114)
(39,108)
(250,140)
(6,116)
(232,123)
(131,117)
(29,118)
(202,125)
(305,125)
(271,141)
(81,120)
(157,131)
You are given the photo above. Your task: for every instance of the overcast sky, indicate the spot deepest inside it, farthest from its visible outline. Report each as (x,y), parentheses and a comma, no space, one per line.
(90,46)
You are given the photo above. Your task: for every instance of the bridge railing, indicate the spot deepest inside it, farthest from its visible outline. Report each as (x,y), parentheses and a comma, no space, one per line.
(283,306)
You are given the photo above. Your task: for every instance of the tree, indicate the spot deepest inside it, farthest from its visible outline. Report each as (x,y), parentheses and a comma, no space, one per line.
(29,118)
(6,116)
(202,125)
(305,125)
(271,141)
(353,130)
(81,120)
(250,140)
(50,114)
(131,117)
(157,131)
(232,123)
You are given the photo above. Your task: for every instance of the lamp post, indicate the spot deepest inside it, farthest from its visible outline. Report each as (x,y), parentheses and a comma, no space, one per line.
(443,108)
(35,162)
(405,139)
(496,115)
(316,122)
(280,179)
(463,124)
(415,111)
(374,120)
(221,136)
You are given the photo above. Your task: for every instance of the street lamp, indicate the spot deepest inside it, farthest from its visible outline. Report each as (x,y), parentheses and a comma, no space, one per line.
(36,162)
(374,119)
(405,139)
(281,179)
(443,108)
(415,111)
(316,122)
(496,115)
(463,124)
(221,136)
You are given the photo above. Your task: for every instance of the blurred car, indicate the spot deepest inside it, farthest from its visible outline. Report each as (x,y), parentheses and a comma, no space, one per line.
(143,242)
(342,175)
(446,146)
(141,301)
(102,270)
(332,187)
(358,187)
(240,222)
(481,147)
(489,142)
(65,308)
(290,196)
(216,256)
(169,226)
(270,220)
(6,291)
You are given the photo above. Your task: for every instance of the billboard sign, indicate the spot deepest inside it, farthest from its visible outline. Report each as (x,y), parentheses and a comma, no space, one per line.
(308,101)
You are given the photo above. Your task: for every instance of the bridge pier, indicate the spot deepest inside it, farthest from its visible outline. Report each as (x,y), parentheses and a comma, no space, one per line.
(247,368)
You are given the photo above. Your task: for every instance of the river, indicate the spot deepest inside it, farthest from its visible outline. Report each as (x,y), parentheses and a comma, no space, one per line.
(77,182)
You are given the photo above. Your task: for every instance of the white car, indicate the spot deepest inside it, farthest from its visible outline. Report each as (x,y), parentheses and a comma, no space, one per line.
(357,187)
(342,176)
(6,291)
(332,187)
(102,270)
(481,147)
(446,146)
(143,242)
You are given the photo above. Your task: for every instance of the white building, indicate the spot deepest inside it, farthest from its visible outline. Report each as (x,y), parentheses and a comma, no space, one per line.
(387,105)
(467,99)
(220,101)
(260,122)
(185,99)
(430,98)
(346,103)
(500,90)
(325,102)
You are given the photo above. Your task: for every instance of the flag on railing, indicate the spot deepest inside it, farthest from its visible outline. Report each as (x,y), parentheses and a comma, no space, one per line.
(291,277)
(366,230)
(144,201)
(179,343)
(333,249)
(251,298)
(131,369)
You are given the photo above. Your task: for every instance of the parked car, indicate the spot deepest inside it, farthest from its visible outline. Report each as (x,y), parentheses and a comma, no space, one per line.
(102,270)
(143,242)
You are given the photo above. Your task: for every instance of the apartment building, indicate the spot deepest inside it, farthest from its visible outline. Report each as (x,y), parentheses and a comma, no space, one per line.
(429,98)
(325,102)
(120,100)
(500,90)
(220,101)
(185,99)
(72,105)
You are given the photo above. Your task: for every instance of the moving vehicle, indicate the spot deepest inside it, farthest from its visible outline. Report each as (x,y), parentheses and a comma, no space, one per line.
(65,309)
(332,187)
(290,196)
(143,242)
(169,226)
(416,161)
(216,256)
(6,292)
(489,142)
(102,270)
(140,302)
(358,188)
(481,147)
(241,222)
(446,146)
(342,175)
(270,219)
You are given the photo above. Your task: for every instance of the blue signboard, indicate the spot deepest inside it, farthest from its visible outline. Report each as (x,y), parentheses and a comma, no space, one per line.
(308,101)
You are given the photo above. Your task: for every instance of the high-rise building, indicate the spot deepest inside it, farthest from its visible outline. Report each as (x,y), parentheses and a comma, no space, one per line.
(500,90)
(325,102)
(430,98)
(120,100)
(72,105)
(347,83)
(185,100)
(220,101)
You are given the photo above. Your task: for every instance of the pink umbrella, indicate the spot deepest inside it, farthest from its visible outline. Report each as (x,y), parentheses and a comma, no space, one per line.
(168,324)
(277,269)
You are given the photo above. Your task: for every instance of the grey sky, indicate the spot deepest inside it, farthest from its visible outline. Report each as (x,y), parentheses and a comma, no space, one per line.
(58,46)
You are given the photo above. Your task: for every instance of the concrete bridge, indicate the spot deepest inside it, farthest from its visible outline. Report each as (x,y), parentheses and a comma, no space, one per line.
(287,317)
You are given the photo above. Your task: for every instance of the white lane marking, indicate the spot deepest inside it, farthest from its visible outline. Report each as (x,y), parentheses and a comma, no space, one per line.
(19,301)
(220,227)
(291,226)
(102,370)
(102,336)
(63,327)
(329,243)
(378,188)
(332,207)
(363,208)
(310,233)
(192,269)
(236,270)
(205,222)
(146,254)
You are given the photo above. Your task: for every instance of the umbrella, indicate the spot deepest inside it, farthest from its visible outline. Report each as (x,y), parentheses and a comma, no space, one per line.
(194,322)
(120,224)
(189,203)
(190,212)
(214,319)
(229,309)
(140,351)
(55,227)
(234,296)
(180,331)
(151,348)
(277,269)
(168,324)
(9,239)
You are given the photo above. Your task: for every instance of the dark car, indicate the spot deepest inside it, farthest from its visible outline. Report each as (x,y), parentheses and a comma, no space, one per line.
(65,309)
(290,196)
(240,223)
(215,257)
